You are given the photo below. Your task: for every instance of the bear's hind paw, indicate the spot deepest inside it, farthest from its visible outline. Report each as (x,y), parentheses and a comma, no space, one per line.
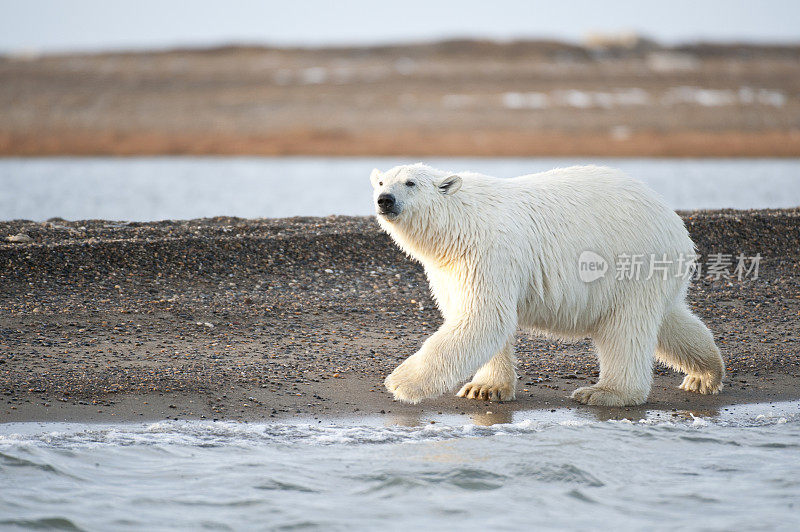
(487,392)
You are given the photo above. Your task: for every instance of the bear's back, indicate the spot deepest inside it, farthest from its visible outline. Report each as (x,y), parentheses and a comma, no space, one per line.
(594,200)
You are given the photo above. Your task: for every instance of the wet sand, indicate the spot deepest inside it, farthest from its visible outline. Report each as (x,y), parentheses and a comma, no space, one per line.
(227,318)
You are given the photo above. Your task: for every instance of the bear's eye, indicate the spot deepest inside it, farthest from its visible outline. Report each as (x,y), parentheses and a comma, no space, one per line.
(380,183)
(410,183)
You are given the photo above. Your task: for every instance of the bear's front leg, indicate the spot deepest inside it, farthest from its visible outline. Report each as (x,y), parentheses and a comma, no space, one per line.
(454,352)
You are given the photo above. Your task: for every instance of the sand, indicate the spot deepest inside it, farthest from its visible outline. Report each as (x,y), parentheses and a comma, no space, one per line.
(235,319)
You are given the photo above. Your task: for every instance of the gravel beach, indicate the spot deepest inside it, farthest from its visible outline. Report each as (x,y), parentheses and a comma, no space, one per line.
(227,318)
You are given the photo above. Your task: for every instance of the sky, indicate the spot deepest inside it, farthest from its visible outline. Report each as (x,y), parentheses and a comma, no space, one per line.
(92,25)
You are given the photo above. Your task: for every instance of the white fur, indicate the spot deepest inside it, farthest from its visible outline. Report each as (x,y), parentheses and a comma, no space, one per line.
(503,253)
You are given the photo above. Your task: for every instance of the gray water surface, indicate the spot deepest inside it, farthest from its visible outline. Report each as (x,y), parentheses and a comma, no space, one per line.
(159,188)
(738,470)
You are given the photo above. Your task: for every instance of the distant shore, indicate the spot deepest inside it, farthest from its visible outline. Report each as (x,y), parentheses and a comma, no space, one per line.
(453,98)
(227,318)
(498,143)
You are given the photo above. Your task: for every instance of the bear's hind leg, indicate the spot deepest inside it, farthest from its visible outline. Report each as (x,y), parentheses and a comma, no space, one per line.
(496,380)
(625,352)
(686,344)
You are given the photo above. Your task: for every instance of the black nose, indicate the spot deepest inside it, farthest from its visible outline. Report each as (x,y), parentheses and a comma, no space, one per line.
(386,202)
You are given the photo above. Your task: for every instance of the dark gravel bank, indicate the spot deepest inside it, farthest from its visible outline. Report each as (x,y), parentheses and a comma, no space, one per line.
(251,319)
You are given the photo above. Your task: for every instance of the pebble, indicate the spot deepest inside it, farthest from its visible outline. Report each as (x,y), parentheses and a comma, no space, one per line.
(20,238)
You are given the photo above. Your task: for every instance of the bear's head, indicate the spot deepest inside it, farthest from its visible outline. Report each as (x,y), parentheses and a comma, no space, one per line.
(410,191)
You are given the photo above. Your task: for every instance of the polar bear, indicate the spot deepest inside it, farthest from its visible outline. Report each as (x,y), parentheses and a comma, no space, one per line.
(546,252)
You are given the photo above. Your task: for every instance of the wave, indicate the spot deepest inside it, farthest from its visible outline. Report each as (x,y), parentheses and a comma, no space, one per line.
(363,431)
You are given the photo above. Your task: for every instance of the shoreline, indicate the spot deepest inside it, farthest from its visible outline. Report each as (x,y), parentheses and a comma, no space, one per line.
(410,143)
(736,413)
(235,319)
(354,398)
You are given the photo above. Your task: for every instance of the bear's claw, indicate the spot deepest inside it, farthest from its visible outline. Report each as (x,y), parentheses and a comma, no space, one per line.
(487,392)
(700,384)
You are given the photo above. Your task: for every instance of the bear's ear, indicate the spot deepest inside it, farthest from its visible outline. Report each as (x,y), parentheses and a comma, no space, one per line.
(373,177)
(450,185)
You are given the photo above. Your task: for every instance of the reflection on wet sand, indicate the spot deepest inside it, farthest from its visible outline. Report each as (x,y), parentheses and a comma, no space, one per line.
(483,419)
(489,418)
(643,412)
(500,415)
(403,420)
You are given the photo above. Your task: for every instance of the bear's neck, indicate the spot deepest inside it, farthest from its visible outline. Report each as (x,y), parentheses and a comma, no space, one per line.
(434,241)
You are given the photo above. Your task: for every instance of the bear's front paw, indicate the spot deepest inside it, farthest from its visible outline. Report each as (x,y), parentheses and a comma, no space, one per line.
(487,392)
(704,384)
(408,383)
(600,396)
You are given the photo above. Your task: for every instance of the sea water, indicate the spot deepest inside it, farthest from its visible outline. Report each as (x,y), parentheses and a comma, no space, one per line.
(735,470)
(160,188)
